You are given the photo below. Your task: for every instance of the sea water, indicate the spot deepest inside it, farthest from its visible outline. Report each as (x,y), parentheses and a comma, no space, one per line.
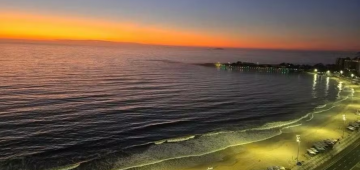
(89,107)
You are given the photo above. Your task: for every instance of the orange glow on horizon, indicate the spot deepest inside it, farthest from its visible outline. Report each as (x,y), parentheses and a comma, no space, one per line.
(21,25)
(40,27)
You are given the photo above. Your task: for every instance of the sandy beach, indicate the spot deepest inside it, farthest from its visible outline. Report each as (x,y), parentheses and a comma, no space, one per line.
(281,150)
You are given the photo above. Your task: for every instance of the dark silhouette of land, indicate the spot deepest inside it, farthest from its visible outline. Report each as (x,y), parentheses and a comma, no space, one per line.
(283,67)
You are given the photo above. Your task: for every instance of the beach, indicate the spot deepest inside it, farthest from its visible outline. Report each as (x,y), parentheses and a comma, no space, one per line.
(154,113)
(281,150)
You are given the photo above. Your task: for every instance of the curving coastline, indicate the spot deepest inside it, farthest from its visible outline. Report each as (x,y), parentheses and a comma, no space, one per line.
(265,132)
(175,151)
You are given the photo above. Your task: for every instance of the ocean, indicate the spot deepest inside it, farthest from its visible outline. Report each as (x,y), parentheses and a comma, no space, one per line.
(145,107)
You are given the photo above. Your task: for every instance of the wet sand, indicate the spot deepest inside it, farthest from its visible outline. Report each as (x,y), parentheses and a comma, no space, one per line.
(282,149)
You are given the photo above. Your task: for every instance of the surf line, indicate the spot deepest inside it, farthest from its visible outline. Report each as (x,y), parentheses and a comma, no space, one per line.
(70,166)
(280,127)
(196,155)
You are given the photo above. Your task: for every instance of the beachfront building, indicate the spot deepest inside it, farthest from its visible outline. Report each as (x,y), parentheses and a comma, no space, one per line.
(349,65)
(340,63)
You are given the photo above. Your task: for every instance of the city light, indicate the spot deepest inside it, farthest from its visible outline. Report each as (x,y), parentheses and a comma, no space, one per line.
(344,118)
(315,70)
(328,72)
(341,72)
(218,64)
(298,141)
(298,138)
(352,75)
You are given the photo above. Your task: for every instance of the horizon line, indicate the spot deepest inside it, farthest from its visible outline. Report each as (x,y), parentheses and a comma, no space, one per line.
(108,42)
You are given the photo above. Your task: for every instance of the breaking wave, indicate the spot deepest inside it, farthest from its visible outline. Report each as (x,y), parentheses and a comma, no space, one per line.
(321,106)
(67,167)
(175,139)
(205,144)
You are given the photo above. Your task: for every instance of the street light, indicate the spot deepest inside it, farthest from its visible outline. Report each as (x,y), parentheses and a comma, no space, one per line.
(341,72)
(298,141)
(328,72)
(344,119)
(352,75)
(315,70)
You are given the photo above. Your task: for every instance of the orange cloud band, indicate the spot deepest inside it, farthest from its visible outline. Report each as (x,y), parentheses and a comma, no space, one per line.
(21,25)
(42,27)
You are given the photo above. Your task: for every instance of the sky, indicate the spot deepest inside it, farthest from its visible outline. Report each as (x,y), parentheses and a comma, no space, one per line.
(268,24)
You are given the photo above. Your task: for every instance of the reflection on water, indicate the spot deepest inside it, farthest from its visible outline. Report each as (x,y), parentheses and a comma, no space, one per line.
(327,85)
(314,92)
(108,106)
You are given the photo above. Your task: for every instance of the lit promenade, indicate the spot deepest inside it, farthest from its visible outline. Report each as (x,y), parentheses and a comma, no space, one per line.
(343,156)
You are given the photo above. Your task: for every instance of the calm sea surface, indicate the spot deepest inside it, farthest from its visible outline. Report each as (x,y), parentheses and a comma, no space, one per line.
(124,107)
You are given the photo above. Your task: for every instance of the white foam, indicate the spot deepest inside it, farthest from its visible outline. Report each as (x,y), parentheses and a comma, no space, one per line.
(321,106)
(160,142)
(66,167)
(193,148)
(181,139)
(174,140)
(178,148)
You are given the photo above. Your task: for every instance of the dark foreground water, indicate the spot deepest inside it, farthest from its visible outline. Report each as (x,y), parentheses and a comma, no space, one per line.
(118,108)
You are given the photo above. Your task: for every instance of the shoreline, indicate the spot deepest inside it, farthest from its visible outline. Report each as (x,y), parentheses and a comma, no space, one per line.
(281,150)
(263,153)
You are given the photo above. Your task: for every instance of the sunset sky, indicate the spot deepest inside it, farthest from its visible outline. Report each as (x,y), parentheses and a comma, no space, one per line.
(274,24)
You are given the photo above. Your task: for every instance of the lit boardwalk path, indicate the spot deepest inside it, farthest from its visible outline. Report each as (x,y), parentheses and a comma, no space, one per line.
(348,161)
(343,157)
